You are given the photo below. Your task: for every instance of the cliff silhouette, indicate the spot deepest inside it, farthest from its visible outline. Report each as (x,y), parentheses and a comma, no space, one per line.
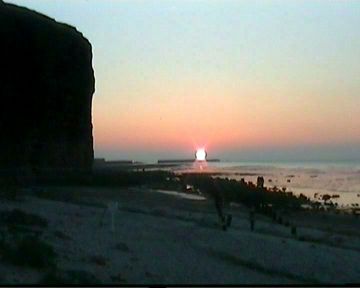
(46,88)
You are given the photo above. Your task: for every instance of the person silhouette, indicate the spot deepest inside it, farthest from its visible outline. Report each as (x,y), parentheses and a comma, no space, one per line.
(252,218)
(219,205)
(219,202)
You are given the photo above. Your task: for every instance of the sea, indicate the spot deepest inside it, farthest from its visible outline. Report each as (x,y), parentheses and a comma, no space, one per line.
(340,180)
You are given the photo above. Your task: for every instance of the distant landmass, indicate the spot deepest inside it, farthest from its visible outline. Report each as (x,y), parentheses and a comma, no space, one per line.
(184,160)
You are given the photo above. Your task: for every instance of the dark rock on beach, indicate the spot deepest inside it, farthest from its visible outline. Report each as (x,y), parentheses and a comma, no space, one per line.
(46,88)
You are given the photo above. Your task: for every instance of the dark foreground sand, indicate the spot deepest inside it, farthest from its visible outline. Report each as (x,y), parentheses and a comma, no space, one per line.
(165,239)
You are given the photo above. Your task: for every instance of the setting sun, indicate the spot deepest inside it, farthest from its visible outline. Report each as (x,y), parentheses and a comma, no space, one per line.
(200,154)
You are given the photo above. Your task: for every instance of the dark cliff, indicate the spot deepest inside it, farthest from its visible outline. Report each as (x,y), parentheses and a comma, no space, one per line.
(46,88)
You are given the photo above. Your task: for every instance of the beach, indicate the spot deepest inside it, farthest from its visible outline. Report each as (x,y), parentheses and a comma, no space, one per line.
(164,238)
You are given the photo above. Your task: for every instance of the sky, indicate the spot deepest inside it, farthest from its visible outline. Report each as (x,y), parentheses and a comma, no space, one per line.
(247,80)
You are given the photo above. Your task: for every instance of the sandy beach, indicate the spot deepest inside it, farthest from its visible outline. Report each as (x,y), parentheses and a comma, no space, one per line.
(166,239)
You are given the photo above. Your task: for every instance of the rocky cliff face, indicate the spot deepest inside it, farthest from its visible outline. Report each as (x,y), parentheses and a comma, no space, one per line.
(46,88)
